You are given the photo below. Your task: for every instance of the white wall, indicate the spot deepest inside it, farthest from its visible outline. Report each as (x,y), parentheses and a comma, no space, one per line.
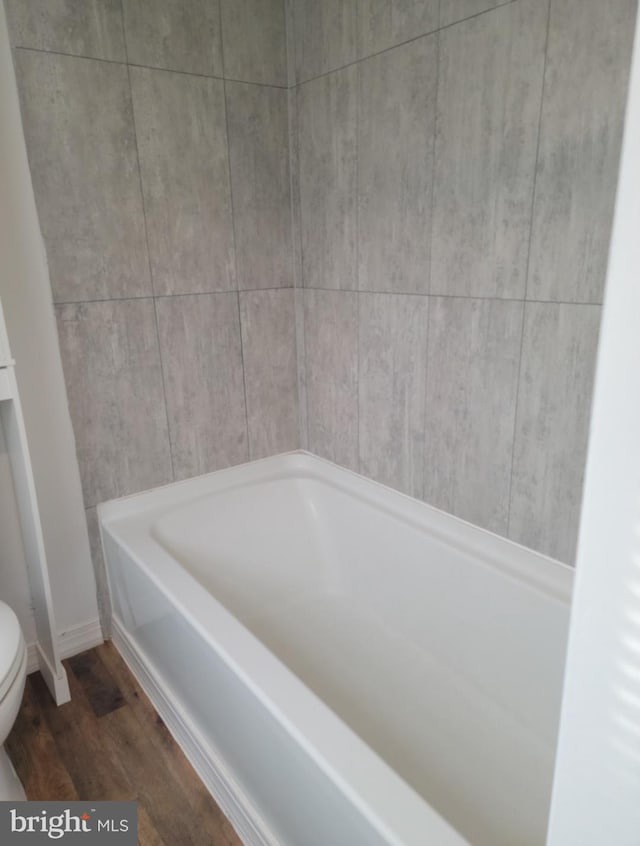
(26,297)
(14,585)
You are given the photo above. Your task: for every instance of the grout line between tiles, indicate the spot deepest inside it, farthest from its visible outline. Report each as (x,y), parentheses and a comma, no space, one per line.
(304,366)
(221,31)
(430,267)
(432,199)
(164,388)
(330,290)
(300,265)
(71,55)
(450,296)
(244,377)
(404,43)
(212,76)
(150,67)
(526,278)
(298,303)
(226,129)
(146,239)
(235,247)
(227,291)
(291,126)
(300,212)
(358,316)
(290,43)
(170,296)
(358,281)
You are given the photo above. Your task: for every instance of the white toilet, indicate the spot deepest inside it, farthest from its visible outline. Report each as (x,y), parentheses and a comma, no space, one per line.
(13,673)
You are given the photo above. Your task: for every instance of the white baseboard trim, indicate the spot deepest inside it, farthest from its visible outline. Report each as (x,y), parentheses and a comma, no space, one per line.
(230,797)
(80,638)
(33,661)
(70,642)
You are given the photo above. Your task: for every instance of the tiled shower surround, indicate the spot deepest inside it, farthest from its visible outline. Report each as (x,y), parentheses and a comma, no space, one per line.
(374,228)
(457,165)
(157,135)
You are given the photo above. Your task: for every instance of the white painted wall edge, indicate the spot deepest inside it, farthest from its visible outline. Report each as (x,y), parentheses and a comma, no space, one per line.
(596,794)
(35,557)
(26,296)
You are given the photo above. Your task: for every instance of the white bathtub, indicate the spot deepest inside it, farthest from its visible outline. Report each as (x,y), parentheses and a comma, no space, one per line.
(344,665)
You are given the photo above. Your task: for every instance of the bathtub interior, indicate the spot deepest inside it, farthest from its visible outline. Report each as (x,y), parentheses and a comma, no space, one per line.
(447,666)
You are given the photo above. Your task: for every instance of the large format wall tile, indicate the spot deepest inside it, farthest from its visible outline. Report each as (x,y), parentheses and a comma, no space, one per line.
(456,10)
(114,385)
(558,360)
(85,175)
(303,429)
(490,84)
(331,355)
(324,36)
(181,35)
(385,23)
(392,360)
(327,115)
(588,63)
(202,361)
(269,355)
(397,92)
(254,40)
(259,147)
(91,28)
(472,384)
(182,142)
(294,174)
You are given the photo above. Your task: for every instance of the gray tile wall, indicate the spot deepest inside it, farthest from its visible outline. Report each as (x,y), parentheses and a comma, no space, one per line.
(181,133)
(255,48)
(163,191)
(392,360)
(327,176)
(435,177)
(259,149)
(457,172)
(84,167)
(396,123)
(270,369)
(489,89)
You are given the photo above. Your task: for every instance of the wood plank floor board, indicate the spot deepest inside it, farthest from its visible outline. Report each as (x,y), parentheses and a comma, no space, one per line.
(109,743)
(198,797)
(94,770)
(146,714)
(101,690)
(162,795)
(32,749)
(147,832)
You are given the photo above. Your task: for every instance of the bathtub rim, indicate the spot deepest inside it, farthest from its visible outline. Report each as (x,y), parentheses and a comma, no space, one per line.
(548,575)
(385,799)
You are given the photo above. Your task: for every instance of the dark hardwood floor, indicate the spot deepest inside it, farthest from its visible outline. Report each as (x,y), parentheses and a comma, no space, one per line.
(109,743)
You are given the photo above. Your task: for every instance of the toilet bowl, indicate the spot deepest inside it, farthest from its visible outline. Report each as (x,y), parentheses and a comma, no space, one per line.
(13,673)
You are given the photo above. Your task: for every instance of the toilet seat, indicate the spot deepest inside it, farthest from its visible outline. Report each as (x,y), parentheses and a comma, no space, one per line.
(12,648)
